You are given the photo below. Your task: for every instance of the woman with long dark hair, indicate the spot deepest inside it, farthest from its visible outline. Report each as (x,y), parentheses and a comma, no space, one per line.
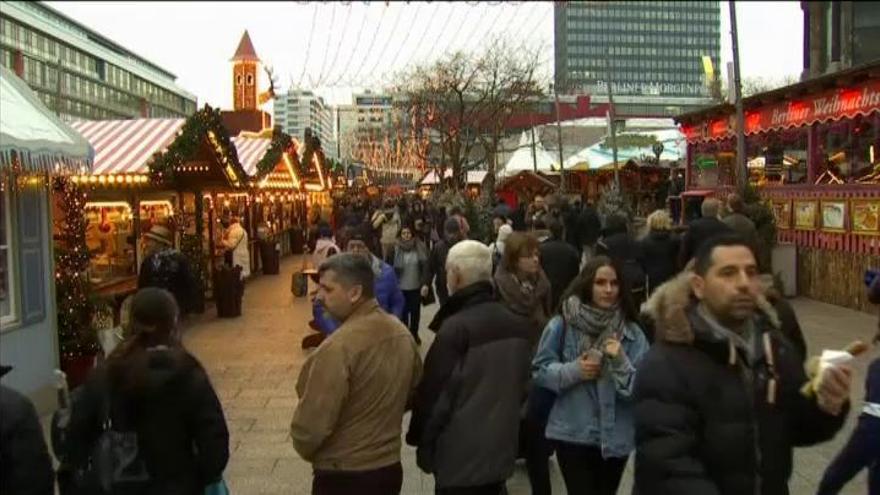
(588,356)
(155,398)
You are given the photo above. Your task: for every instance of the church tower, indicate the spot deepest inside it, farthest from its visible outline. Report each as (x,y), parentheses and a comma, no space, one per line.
(244,75)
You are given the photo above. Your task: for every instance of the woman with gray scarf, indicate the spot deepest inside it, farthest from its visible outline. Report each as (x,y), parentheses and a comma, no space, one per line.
(411,266)
(524,289)
(588,356)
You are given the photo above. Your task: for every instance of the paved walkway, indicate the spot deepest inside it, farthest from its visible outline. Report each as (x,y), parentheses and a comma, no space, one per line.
(254,360)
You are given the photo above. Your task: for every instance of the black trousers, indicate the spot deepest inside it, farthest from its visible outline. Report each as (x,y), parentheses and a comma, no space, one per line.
(382,481)
(585,471)
(493,489)
(536,450)
(412,311)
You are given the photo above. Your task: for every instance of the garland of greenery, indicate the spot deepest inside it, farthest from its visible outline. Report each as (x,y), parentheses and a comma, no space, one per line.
(76,336)
(163,166)
(281,142)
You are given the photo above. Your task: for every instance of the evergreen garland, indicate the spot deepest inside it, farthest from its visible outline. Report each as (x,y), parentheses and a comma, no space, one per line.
(76,337)
(185,147)
(281,142)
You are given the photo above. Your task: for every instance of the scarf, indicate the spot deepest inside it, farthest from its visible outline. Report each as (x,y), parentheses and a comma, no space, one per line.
(407,245)
(596,324)
(523,296)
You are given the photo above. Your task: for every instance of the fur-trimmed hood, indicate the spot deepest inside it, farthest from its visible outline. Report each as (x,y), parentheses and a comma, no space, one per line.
(668,307)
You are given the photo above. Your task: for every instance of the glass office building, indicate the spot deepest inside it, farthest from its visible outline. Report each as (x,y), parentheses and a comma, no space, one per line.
(652,52)
(81,74)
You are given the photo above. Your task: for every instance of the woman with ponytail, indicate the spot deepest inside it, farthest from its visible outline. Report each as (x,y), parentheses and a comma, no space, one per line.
(154,399)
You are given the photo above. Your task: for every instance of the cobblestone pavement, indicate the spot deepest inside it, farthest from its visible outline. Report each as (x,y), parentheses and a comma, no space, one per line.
(254,360)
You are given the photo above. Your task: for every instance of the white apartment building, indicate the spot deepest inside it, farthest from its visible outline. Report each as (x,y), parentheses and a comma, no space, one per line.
(298,109)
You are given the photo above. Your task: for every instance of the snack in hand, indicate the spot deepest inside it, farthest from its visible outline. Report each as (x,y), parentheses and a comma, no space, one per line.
(817,364)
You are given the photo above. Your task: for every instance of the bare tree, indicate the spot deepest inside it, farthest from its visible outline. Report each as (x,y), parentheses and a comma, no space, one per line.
(463,101)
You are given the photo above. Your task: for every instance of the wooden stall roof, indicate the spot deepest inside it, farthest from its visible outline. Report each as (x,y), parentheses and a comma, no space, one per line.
(202,156)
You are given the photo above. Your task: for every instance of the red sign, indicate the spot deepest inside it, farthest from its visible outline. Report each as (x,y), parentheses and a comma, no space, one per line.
(832,104)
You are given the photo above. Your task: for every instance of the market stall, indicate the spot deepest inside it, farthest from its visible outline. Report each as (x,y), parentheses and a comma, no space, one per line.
(123,202)
(155,172)
(276,205)
(813,149)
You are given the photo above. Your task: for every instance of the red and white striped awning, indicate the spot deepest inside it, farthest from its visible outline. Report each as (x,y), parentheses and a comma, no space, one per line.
(250,151)
(126,146)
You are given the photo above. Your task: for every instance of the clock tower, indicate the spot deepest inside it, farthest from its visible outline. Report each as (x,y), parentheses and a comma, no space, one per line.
(244,75)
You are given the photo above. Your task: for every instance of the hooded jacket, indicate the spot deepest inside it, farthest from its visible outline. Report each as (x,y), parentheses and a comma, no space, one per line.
(708,421)
(173,409)
(465,417)
(25,465)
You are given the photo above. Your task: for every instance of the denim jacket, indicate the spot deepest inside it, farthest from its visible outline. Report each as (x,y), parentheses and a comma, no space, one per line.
(595,412)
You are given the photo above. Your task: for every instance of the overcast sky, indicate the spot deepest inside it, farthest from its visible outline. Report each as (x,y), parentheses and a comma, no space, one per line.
(370,41)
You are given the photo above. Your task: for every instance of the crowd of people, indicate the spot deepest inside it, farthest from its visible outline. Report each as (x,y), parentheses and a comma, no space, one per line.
(569,335)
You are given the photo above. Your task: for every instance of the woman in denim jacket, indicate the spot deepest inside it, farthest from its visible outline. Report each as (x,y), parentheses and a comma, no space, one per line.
(588,355)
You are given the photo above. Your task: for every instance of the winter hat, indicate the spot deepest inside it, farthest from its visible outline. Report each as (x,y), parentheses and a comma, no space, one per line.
(161,234)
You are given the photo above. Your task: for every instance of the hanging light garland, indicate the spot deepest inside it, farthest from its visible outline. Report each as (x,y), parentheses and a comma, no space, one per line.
(73,290)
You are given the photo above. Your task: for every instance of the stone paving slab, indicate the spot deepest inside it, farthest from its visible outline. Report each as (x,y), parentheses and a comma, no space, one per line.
(254,360)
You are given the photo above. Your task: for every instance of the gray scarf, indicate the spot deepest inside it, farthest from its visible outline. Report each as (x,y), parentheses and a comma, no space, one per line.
(595,323)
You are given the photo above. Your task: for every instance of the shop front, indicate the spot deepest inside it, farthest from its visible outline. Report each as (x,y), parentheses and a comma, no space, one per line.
(813,151)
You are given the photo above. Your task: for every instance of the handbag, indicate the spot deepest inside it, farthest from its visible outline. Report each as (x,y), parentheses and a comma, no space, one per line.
(115,464)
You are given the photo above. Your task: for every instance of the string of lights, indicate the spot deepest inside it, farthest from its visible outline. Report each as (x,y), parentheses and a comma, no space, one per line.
(338,46)
(351,53)
(309,44)
(405,42)
(385,46)
(351,80)
(327,50)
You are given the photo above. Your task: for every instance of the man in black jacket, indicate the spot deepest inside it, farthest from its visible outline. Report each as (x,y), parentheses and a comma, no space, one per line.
(25,465)
(589,228)
(465,418)
(437,259)
(559,260)
(718,401)
(702,229)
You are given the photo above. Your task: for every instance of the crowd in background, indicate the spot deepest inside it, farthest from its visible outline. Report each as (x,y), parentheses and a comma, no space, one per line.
(569,333)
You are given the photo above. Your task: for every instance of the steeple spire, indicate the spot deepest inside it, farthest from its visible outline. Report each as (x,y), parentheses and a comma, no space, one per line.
(245,51)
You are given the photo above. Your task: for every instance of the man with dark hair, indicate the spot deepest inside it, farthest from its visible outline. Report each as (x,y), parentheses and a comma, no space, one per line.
(559,259)
(354,390)
(718,401)
(452,234)
(387,289)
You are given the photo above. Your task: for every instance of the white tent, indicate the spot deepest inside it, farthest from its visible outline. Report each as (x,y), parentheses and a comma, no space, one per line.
(522,158)
(596,156)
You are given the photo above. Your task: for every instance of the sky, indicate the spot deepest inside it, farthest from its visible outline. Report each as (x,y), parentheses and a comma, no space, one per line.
(370,42)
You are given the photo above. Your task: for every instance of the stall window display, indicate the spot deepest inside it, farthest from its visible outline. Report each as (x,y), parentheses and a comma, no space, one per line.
(778,158)
(849,151)
(7,299)
(110,236)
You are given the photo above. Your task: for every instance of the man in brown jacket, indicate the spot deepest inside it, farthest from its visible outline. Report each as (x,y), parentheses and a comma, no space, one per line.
(355,388)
